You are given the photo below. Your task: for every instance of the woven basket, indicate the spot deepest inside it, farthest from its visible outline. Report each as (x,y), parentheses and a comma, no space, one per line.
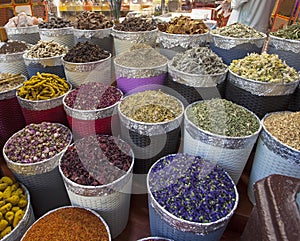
(28,34)
(63,36)
(286,49)
(229,48)
(231,153)
(272,157)
(259,97)
(43,181)
(97,71)
(111,201)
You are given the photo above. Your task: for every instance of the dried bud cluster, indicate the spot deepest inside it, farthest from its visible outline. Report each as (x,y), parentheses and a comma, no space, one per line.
(92,21)
(136,24)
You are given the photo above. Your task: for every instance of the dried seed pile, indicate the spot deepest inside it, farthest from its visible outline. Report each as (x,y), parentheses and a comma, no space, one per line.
(264,67)
(56,22)
(96,160)
(198,60)
(68,224)
(37,142)
(92,20)
(46,49)
(85,53)
(136,24)
(13,46)
(222,117)
(238,30)
(10,81)
(289,32)
(151,107)
(43,86)
(184,25)
(285,127)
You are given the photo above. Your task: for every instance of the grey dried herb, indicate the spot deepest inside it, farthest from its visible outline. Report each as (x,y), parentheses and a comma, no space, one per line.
(289,32)
(199,60)
(264,67)
(285,127)
(222,117)
(238,30)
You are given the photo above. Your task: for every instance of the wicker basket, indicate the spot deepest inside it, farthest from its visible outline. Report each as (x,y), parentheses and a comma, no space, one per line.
(259,97)
(272,157)
(28,34)
(63,36)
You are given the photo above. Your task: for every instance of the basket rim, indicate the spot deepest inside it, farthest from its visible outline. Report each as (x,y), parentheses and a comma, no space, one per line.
(235,38)
(92,30)
(296,41)
(132,33)
(183,35)
(49,29)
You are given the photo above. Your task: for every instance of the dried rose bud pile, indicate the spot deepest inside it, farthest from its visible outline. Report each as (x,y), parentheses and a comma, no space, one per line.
(96,160)
(93,96)
(192,188)
(37,142)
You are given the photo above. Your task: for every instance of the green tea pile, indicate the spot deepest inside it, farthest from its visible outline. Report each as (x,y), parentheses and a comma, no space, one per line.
(288,32)
(237,30)
(264,67)
(222,117)
(285,127)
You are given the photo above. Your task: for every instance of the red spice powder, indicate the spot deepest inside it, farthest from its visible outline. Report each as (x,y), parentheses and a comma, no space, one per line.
(68,224)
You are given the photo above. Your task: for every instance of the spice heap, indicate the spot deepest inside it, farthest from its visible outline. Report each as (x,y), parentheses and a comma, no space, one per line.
(288,32)
(46,49)
(85,53)
(56,22)
(264,67)
(136,24)
(222,117)
(151,106)
(285,127)
(238,30)
(93,96)
(192,188)
(91,21)
(43,86)
(96,160)
(37,142)
(13,203)
(184,25)
(198,60)
(68,224)
(13,46)
(22,20)
(10,81)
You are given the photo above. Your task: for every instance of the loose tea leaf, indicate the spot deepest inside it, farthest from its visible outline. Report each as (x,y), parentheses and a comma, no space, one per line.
(288,32)
(264,67)
(238,30)
(285,127)
(222,117)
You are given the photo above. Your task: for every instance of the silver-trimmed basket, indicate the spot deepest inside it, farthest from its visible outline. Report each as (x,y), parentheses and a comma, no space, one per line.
(28,34)
(63,36)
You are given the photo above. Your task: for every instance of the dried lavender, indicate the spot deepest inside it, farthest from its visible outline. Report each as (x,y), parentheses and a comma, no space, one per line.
(37,142)
(222,117)
(96,160)
(198,60)
(192,188)
(238,30)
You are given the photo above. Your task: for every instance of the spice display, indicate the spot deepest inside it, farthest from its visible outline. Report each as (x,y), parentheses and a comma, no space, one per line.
(92,20)
(46,49)
(136,24)
(264,67)
(93,96)
(56,22)
(84,52)
(288,32)
(192,188)
(198,60)
(10,81)
(43,86)
(238,30)
(22,20)
(13,46)
(68,224)
(37,142)
(13,203)
(151,106)
(184,25)
(222,117)
(285,127)
(96,160)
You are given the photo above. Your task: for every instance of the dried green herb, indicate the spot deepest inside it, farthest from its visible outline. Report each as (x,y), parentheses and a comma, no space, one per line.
(238,30)
(285,127)
(289,32)
(264,67)
(153,113)
(222,117)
